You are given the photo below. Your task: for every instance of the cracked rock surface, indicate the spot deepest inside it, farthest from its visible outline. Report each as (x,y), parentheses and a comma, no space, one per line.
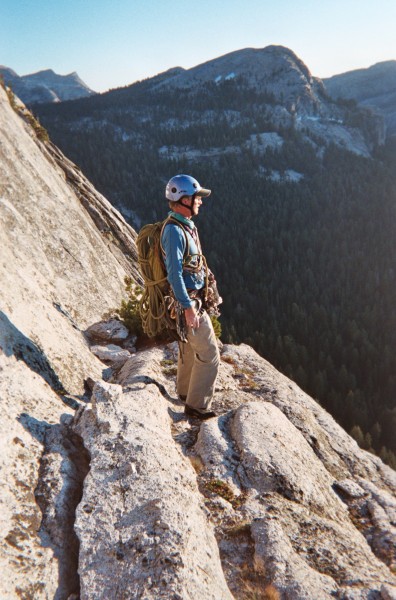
(263,499)
(143,529)
(315,533)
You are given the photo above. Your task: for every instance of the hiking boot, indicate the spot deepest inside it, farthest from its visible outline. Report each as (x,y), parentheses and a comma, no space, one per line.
(203,415)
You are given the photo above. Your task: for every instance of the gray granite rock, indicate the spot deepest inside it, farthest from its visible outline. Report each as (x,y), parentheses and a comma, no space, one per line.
(142,526)
(111,354)
(107,331)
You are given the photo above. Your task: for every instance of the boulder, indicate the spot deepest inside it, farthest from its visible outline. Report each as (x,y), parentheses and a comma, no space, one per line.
(111,354)
(107,331)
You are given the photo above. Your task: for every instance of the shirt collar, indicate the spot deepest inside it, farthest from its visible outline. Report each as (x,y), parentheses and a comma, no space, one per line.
(182,219)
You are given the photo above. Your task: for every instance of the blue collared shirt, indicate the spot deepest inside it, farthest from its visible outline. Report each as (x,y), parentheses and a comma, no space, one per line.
(174,245)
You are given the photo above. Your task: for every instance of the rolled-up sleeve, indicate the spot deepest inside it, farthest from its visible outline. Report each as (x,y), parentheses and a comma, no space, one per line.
(174,244)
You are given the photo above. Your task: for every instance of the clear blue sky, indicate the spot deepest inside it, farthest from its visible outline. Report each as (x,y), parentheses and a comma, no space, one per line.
(111,43)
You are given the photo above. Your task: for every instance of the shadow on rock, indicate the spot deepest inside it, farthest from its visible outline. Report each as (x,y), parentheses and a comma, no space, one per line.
(14,343)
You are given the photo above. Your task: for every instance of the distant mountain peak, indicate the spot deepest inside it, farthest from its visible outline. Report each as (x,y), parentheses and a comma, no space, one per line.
(46,86)
(42,72)
(3,69)
(374,87)
(274,69)
(256,63)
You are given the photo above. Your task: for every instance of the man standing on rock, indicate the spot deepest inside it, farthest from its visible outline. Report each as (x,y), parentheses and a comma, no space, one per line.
(194,292)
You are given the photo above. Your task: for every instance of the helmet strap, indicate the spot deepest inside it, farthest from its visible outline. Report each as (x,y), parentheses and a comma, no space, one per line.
(190,208)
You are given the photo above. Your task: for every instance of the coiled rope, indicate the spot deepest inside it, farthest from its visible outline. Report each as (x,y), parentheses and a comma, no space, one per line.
(153,305)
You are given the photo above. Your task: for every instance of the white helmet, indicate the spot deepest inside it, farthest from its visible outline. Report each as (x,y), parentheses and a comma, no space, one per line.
(184,185)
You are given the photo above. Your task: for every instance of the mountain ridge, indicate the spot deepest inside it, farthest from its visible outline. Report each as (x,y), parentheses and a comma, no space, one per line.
(45,86)
(373,87)
(289,95)
(239,59)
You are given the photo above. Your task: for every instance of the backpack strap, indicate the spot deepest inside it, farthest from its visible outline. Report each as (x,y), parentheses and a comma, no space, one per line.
(187,257)
(175,222)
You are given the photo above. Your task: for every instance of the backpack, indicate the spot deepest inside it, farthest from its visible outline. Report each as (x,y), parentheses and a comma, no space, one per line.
(153,307)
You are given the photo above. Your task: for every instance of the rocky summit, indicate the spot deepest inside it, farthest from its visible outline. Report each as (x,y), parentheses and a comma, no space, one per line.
(275,69)
(108,491)
(45,86)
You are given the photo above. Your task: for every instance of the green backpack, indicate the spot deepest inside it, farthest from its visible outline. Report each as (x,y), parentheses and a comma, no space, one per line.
(153,307)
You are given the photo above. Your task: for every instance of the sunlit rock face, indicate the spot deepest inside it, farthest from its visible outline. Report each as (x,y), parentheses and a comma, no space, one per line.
(60,269)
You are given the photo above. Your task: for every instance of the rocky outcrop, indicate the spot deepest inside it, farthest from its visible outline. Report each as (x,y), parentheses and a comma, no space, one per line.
(59,272)
(65,252)
(286,493)
(141,501)
(46,86)
(120,237)
(108,491)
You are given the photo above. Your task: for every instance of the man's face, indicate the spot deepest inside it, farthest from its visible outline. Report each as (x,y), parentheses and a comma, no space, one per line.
(196,205)
(193,203)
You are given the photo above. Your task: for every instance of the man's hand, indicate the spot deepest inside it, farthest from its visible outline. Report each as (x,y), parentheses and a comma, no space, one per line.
(192,317)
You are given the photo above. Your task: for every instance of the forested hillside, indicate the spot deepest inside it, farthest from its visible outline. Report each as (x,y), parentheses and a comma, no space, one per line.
(299,230)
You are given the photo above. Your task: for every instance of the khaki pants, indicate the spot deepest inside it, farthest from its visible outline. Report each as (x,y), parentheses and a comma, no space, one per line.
(198,365)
